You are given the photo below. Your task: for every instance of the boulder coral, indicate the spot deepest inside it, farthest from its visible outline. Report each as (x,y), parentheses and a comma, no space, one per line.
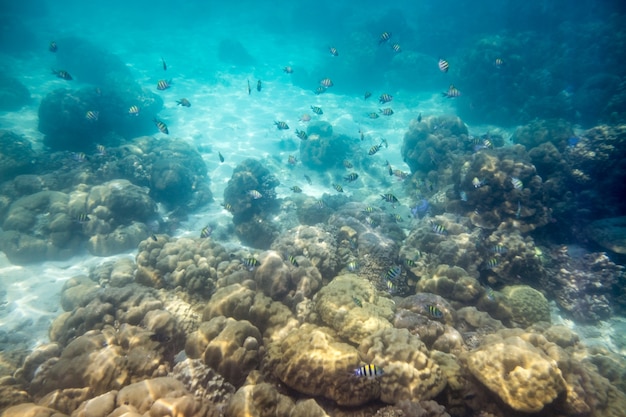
(190,263)
(353,308)
(264,400)
(501,188)
(38,227)
(16,155)
(324,149)
(315,243)
(232,347)
(429,143)
(527,305)
(240,302)
(521,375)
(312,361)
(455,246)
(251,197)
(409,372)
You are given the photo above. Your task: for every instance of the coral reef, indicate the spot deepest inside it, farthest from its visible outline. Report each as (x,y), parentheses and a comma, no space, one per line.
(313,361)
(367,236)
(263,399)
(586,285)
(16,155)
(189,263)
(232,348)
(609,233)
(429,144)
(502,190)
(409,372)
(38,227)
(522,376)
(314,243)
(251,197)
(456,246)
(324,149)
(13,94)
(353,308)
(62,112)
(527,305)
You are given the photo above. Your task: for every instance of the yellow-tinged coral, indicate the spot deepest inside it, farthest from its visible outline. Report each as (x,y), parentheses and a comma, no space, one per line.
(352,307)
(452,282)
(242,303)
(527,305)
(409,372)
(231,347)
(264,400)
(31,410)
(310,360)
(520,374)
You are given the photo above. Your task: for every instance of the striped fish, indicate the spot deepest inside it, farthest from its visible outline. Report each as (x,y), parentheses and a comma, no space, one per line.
(434,312)
(452,92)
(443,65)
(384,37)
(393,273)
(374,149)
(385,98)
(161,126)
(255,194)
(251,263)
(351,177)
(281,125)
(438,228)
(293,261)
(338,187)
(317,110)
(390,198)
(326,82)
(164,84)
(301,134)
(206,232)
(370,371)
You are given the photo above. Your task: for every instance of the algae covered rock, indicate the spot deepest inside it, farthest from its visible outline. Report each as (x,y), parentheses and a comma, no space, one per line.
(521,375)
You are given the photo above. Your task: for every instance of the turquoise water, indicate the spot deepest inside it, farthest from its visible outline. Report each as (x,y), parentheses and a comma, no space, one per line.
(451,169)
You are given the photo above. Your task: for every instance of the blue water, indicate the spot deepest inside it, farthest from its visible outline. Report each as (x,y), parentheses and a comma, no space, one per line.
(533,91)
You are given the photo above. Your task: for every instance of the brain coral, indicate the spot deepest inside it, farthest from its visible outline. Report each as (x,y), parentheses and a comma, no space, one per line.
(527,305)
(409,371)
(520,374)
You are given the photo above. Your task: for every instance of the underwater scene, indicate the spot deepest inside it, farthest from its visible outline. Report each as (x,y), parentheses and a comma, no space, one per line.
(309,209)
